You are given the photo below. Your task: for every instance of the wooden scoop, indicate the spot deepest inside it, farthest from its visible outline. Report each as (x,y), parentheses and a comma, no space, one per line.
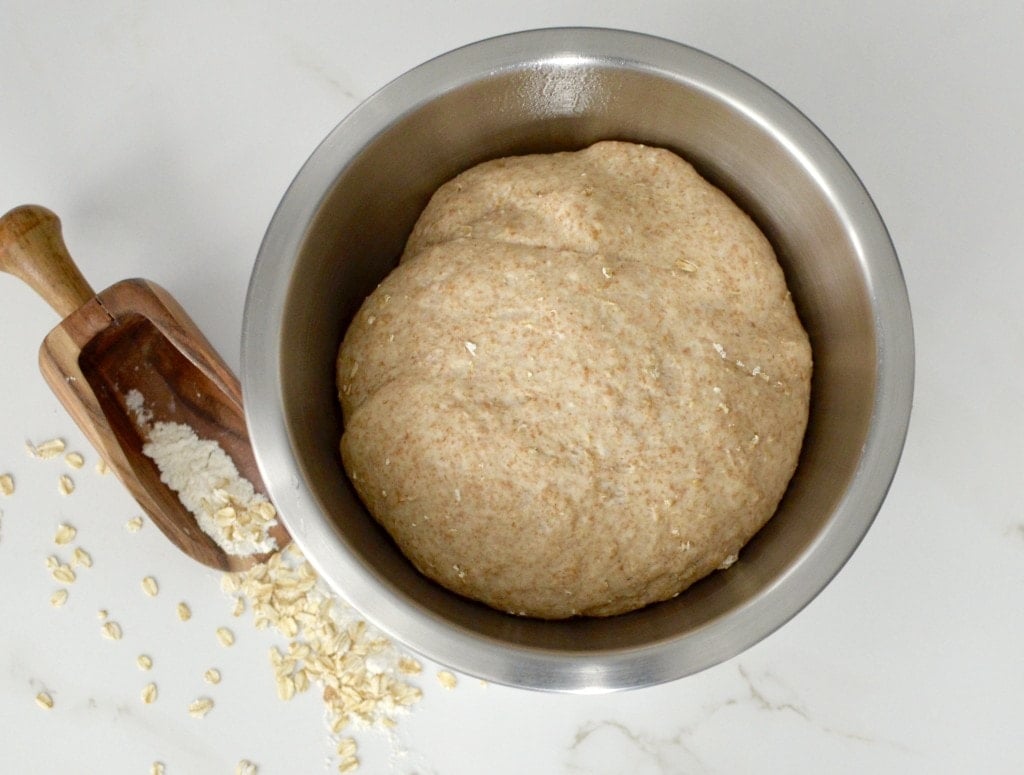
(131,337)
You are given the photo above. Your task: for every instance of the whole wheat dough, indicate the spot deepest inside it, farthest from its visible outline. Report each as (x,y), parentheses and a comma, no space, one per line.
(584,387)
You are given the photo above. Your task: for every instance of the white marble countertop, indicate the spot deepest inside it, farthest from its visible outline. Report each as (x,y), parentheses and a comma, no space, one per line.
(165,134)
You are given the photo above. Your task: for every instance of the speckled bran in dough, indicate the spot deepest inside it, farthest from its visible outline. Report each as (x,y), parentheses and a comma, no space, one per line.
(584,388)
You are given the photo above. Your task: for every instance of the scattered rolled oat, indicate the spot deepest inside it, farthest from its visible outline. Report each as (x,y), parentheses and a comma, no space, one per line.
(150,587)
(101,467)
(239,608)
(200,707)
(212,676)
(46,450)
(111,630)
(354,667)
(44,700)
(409,666)
(63,574)
(346,747)
(157,768)
(230,583)
(351,764)
(134,525)
(149,693)
(74,459)
(184,612)
(52,562)
(144,661)
(225,636)
(102,614)
(65,485)
(65,534)
(81,557)
(59,598)
(246,767)
(446,679)
(6,484)
(285,687)
(288,626)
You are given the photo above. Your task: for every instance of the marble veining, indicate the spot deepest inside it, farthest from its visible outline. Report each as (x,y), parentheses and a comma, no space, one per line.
(670,755)
(329,75)
(752,694)
(761,688)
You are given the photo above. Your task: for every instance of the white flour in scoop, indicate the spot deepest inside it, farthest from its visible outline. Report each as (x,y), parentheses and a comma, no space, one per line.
(200,472)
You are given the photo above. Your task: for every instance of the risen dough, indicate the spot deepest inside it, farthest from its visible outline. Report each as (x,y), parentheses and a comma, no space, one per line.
(584,387)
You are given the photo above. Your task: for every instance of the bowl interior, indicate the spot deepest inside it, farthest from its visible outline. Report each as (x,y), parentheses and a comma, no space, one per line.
(377,171)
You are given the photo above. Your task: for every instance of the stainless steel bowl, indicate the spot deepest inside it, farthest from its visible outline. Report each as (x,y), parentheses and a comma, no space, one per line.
(340,229)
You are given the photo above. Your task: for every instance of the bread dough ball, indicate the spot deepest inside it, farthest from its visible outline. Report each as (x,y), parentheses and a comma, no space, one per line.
(584,387)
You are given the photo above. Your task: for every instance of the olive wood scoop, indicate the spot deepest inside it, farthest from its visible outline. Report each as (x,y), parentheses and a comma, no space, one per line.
(131,337)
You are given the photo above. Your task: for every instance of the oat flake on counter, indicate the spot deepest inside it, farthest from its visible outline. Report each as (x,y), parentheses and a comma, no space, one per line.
(65,484)
(200,707)
(447,679)
(65,534)
(81,558)
(45,451)
(150,587)
(111,631)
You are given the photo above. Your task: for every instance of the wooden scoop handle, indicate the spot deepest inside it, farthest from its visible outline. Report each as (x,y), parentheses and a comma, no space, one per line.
(32,248)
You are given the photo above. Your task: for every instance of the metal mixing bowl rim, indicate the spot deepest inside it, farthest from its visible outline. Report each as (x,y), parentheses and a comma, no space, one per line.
(470,652)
